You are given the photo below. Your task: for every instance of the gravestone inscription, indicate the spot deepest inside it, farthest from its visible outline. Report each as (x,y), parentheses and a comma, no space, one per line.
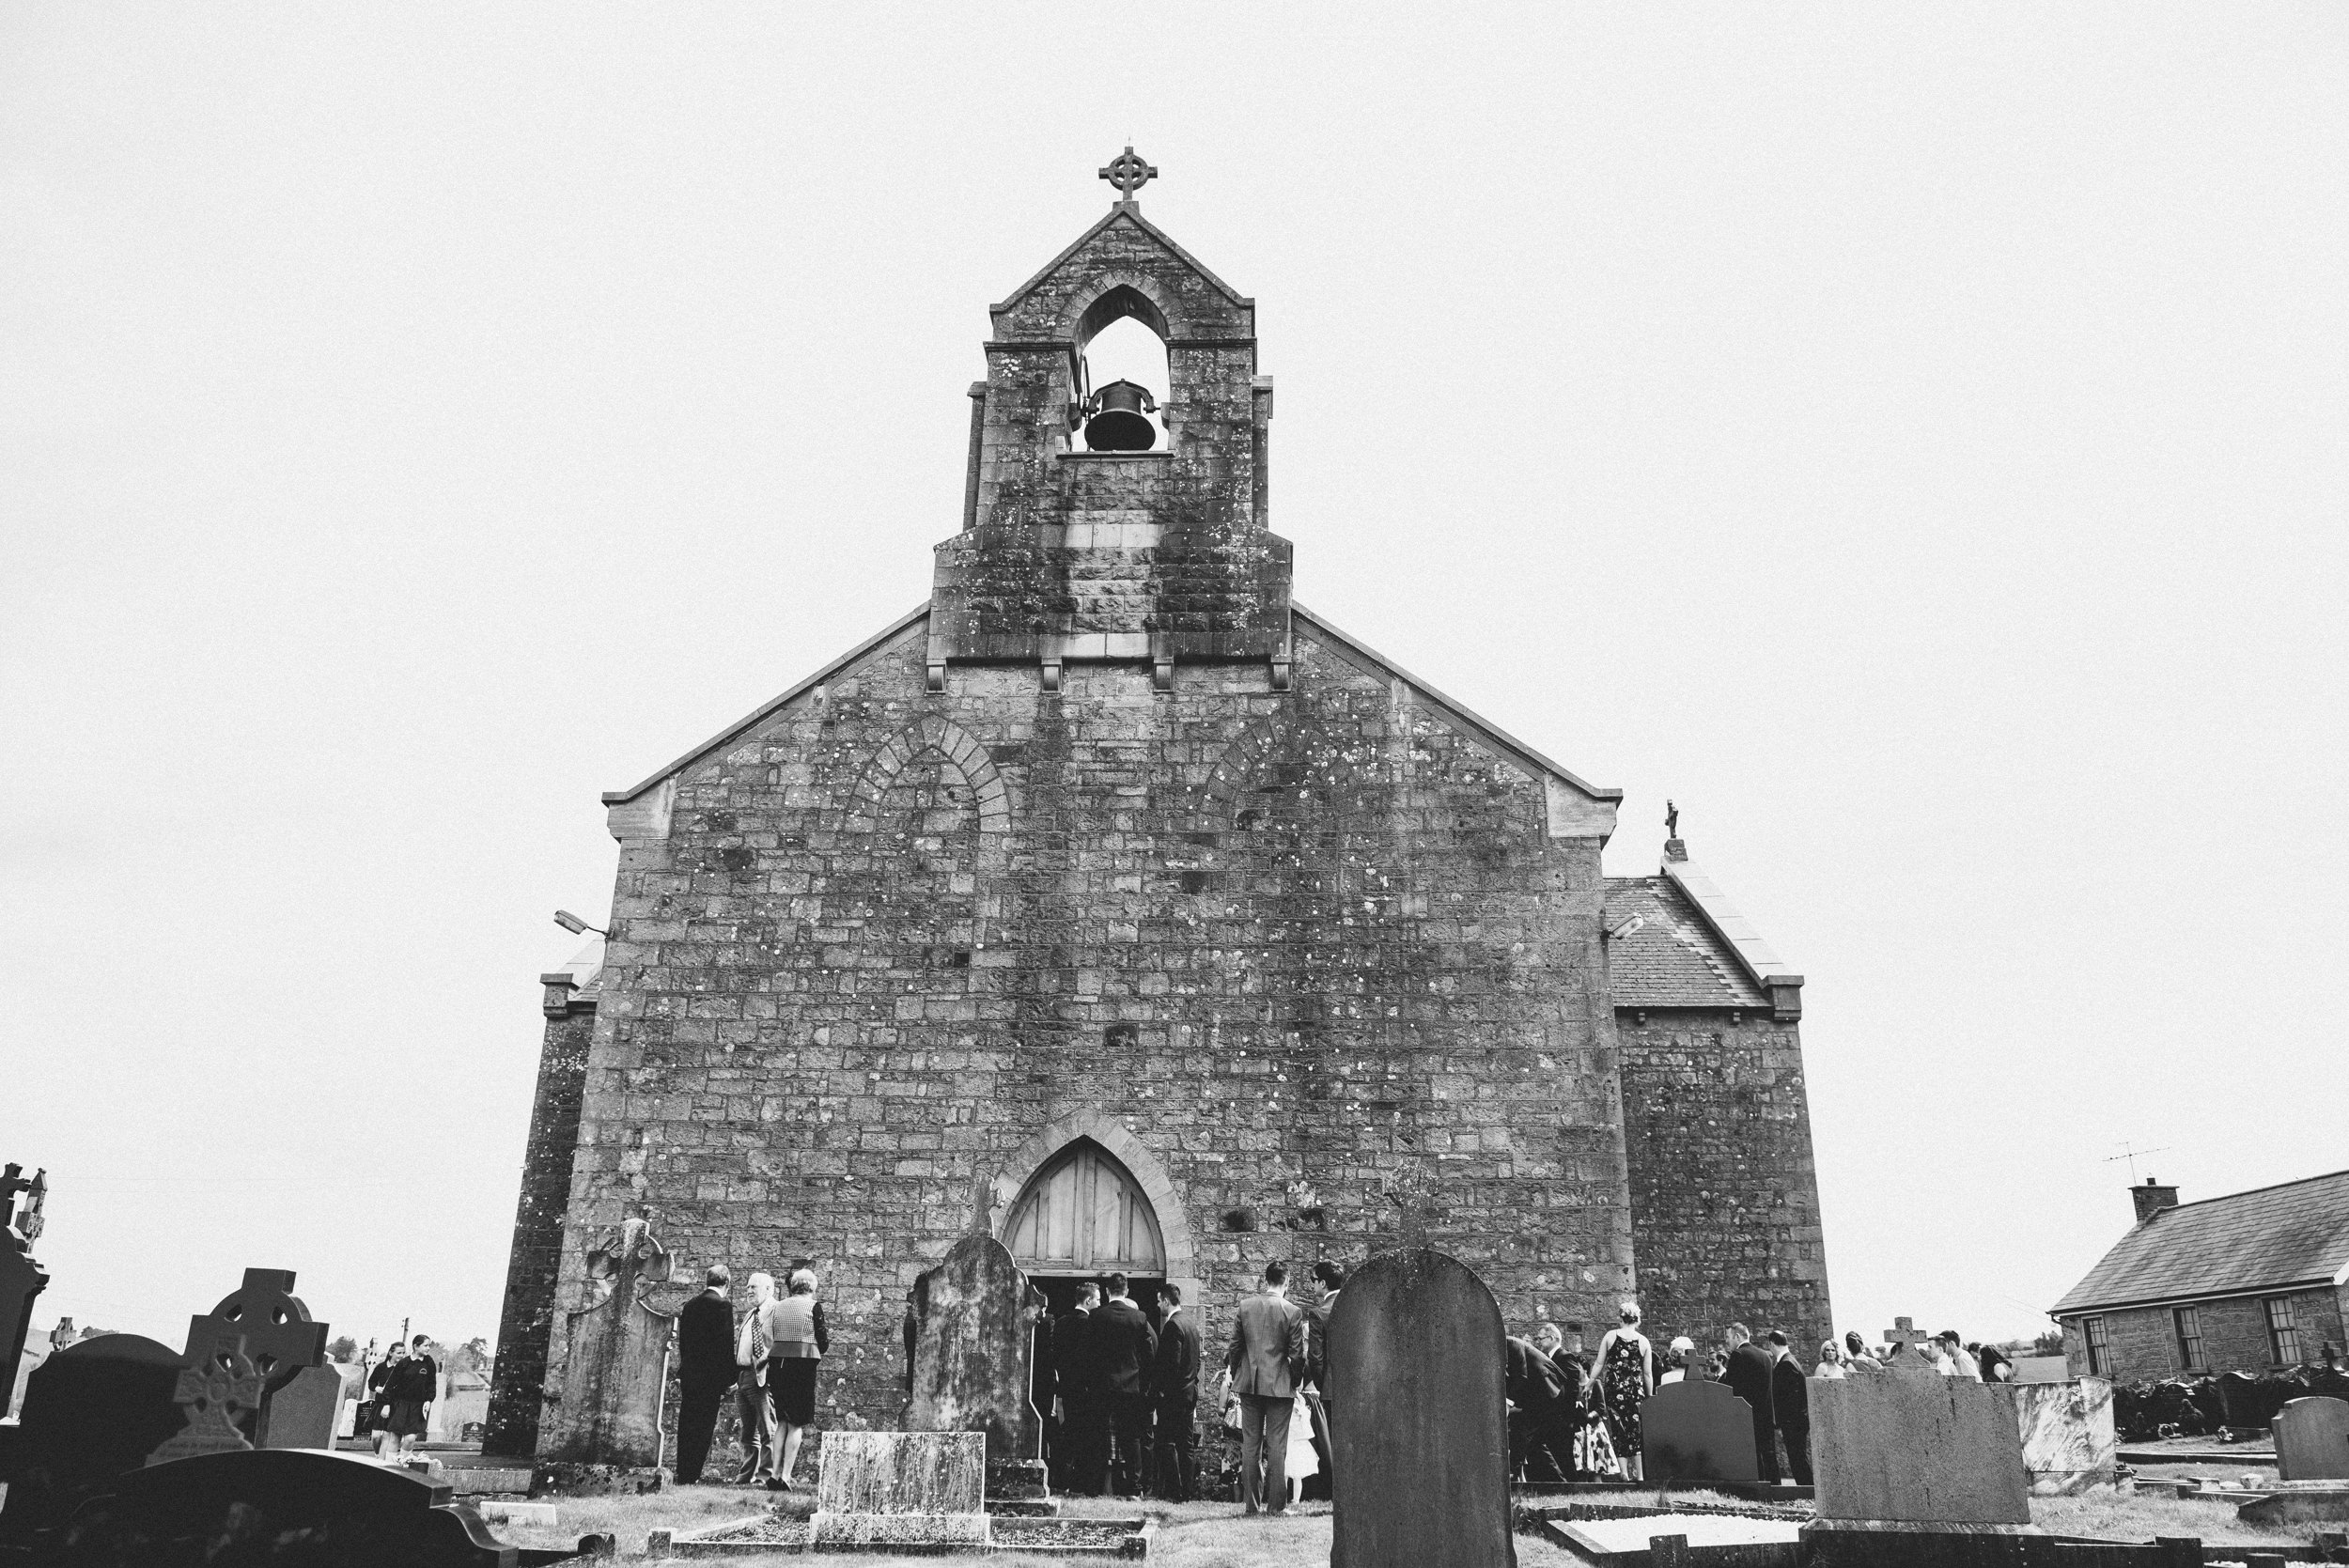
(1418,1412)
(1917,1450)
(2312,1439)
(1695,1430)
(974,1320)
(904,1489)
(220,1392)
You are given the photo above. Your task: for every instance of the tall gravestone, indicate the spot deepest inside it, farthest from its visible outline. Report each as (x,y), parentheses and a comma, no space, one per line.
(92,1411)
(2312,1440)
(1917,1450)
(1418,1427)
(974,1320)
(284,1343)
(1697,1430)
(615,1362)
(21,1279)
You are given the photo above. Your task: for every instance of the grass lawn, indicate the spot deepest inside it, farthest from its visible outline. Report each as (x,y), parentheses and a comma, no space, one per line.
(1214,1535)
(1190,1535)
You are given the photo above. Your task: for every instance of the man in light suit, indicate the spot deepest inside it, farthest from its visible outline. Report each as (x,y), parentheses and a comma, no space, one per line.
(749,1388)
(1268,1354)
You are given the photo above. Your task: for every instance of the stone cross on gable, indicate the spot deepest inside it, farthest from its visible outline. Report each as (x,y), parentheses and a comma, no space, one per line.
(220,1390)
(21,1230)
(1128,174)
(273,1325)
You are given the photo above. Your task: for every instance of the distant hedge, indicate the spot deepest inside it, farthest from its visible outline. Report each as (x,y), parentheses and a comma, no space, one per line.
(2194,1406)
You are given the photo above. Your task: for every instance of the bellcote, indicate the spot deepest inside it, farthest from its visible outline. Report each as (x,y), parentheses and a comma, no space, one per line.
(1160,555)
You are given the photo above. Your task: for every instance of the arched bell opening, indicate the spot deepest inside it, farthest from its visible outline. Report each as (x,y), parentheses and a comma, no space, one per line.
(1122,376)
(1082,1216)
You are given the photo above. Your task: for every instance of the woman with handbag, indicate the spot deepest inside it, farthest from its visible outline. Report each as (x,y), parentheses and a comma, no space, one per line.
(381,1383)
(796,1344)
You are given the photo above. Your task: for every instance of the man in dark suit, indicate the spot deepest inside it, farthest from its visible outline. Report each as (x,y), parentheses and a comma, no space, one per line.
(1175,1397)
(1268,1352)
(1327,1279)
(1790,1397)
(1125,1346)
(705,1346)
(1749,1376)
(1084,1442)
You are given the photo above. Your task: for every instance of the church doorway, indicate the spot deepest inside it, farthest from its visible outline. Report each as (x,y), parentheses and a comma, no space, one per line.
(1083,1216)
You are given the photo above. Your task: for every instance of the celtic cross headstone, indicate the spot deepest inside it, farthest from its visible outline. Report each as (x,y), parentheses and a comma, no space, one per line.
(219,1390)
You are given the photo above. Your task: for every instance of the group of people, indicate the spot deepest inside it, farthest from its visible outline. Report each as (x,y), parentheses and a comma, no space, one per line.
(1118,1391)
(400,1390)
(1575,1415)
(768,1359)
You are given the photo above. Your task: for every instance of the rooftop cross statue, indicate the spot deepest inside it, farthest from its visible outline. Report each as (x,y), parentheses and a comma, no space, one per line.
(1128,173)
(1671,820)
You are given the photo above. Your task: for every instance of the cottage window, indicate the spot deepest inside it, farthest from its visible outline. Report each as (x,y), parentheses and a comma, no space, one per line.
(2099,1348)
(2189,1322)
(2284,1332)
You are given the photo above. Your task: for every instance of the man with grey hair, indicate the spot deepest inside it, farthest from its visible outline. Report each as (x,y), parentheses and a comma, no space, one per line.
(750,1387)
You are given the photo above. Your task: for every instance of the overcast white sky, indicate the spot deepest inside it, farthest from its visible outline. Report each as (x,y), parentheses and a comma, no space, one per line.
(1911,437)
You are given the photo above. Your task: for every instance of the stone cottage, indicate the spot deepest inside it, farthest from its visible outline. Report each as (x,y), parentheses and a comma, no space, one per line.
(1115,902)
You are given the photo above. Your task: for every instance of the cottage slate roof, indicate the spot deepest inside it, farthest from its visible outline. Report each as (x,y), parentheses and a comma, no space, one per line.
(1663,953)
(2294,1234)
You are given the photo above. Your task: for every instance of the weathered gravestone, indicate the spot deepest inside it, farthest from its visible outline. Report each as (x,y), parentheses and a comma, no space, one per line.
(974,1345)
(1916,1450)
(307,1413)
(221,1392)
(92,1411)
(900,1489)
(615,1357)
(1693,1431)
(2069,1440)
(1417,1421)
(273,1505)
(2312,1440)
(21,1279)
(283,1342)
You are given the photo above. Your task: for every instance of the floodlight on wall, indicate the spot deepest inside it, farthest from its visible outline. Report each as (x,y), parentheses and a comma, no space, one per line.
(575,925)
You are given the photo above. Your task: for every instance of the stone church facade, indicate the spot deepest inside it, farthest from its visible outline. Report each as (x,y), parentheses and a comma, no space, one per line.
(1117,903)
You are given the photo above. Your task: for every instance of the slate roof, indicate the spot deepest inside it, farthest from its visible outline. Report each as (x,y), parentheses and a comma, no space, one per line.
(1671,957)
(2294,1234)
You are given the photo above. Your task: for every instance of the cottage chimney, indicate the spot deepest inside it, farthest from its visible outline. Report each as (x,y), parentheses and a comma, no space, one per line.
(2152,1198)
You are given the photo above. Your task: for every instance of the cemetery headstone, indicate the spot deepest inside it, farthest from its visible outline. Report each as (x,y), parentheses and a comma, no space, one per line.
(341,1507)
(1904,1337)
(1695,1430)
(92,1411)
(307,1413)
(21,1279)
(1418,1423)
(2312,1439)
(615,1357)
(1916,1450)
(2069,1440)
(278,1336)
(973,1341)
(904,1489)
(220,1392)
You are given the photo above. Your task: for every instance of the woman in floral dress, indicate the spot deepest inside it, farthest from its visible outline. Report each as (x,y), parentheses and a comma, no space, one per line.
(1626,1375)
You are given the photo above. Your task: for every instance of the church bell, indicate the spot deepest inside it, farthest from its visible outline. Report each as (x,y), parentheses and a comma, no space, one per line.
(1119,421)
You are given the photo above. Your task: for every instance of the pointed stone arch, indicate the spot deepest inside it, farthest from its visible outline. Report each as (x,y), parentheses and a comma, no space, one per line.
(1148,1172)
(962,754)
(1113,296)
(1242,767)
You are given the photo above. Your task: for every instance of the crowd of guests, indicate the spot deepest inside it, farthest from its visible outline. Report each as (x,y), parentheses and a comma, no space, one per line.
(1575,1414)
(767,1359)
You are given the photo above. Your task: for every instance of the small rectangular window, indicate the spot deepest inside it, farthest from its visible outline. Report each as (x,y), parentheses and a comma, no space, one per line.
(2189,1322)
(2099,1349)
(2284,1332)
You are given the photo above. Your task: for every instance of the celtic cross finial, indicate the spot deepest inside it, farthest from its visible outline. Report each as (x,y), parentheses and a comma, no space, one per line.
(1128,174)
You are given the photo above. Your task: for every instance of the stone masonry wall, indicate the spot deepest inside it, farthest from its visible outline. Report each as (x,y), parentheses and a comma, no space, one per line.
(1314,952)
(1724,1193)
(2144,1341)
(531,1270)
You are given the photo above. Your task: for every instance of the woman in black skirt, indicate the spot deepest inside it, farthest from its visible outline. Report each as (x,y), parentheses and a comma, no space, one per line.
(795,1329)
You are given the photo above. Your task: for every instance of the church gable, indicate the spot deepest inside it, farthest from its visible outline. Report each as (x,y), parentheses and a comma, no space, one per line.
(1123,252)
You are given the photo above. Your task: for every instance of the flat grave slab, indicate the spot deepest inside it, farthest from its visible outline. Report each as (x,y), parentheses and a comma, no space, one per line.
(901,1491)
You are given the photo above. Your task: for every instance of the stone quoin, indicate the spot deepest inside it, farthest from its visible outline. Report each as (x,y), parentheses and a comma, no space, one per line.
(1189,930)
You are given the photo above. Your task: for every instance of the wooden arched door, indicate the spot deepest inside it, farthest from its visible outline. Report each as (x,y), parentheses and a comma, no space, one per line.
(1083,1216)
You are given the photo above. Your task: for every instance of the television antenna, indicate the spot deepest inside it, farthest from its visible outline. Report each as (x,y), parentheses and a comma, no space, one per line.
(2133,1156)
